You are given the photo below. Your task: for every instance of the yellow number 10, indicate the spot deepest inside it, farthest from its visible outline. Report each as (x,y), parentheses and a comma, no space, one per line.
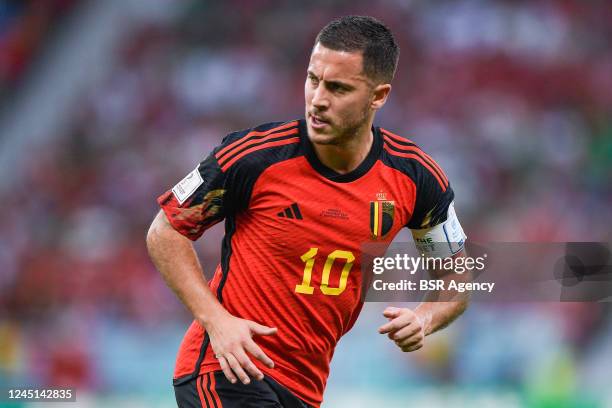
(309,259)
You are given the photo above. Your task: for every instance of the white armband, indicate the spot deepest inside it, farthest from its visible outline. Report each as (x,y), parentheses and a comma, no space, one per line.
(442,240)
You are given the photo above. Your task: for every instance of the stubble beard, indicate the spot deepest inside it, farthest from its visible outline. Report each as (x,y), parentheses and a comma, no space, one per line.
(343,135)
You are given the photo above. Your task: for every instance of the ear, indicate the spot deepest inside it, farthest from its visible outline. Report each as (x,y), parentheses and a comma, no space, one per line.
(381,92)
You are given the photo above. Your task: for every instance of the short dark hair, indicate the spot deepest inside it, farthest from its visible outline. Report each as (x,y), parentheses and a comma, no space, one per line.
(366,34)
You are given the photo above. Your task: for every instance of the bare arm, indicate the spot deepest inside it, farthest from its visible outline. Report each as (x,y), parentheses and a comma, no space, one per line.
(441,308)
(230,337)
(437,315)
(408,328)
(177,262)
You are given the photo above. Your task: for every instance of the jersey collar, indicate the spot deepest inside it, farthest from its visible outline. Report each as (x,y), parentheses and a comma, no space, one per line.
(331,174)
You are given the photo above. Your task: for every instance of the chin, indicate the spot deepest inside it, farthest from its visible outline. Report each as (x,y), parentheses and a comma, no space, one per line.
(320,138)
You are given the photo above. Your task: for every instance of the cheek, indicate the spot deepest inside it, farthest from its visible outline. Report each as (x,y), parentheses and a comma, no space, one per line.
(352,112)
(350,108)
(307,93)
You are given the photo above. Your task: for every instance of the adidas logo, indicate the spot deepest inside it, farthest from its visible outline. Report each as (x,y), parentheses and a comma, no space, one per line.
(291,212)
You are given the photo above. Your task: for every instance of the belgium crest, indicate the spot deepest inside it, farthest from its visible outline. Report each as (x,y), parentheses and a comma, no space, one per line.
(381,217)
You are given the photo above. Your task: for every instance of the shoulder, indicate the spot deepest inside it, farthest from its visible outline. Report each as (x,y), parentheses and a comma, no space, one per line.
(406,156)
(259,146)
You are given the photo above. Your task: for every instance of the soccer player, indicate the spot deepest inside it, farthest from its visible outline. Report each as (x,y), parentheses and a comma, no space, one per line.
(298,199)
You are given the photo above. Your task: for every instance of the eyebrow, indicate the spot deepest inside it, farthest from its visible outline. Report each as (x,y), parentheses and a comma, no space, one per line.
(336,83)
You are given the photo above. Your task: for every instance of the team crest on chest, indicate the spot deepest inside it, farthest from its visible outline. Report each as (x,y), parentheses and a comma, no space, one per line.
(382,212)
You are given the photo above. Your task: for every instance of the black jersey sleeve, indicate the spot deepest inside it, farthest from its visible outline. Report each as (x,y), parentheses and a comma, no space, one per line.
(432,202)
(222,183)
(434,194)
(199,200)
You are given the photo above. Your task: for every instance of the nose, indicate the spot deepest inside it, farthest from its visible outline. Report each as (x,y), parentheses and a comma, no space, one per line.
(320,98)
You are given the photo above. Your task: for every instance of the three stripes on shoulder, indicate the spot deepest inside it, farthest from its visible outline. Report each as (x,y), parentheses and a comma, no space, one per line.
(288,133)
(398,146)
(256,140)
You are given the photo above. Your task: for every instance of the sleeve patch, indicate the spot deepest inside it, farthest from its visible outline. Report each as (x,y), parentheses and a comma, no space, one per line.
(187,186)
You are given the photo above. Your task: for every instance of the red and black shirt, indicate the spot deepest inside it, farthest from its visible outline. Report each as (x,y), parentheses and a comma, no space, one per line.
(293,231)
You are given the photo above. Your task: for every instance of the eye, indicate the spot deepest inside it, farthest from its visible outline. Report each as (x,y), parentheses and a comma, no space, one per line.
(337,88)
(313,79)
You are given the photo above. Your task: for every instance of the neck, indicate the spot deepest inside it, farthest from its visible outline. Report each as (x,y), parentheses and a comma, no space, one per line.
(347,155)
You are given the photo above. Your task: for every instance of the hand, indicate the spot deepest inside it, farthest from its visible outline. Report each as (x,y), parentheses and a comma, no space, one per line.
(231,338)
(405,327)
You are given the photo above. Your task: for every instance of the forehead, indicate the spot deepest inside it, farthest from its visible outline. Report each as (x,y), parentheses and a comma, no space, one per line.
(336,65)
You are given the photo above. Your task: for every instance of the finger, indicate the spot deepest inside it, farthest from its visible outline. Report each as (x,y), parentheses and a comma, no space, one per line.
(261,330)
(409,342)
(399,322)
(237,369)
(405,332)
(227,371)
(391,312)
(258,353)
(247,364)
(388,327)
(412,348)
(393,325)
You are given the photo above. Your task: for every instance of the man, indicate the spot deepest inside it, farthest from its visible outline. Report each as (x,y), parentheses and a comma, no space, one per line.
(298,199)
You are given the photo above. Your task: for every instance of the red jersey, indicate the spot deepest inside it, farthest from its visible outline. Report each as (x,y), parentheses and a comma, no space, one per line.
(293,231)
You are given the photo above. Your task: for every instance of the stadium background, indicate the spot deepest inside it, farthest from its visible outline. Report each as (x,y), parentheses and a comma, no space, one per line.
(106,104)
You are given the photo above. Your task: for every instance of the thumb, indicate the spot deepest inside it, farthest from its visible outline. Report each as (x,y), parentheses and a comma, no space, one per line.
(261,330)
(391,312)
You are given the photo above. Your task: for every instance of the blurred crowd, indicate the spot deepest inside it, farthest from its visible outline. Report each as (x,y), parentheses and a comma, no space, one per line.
(24,28)
(512,98)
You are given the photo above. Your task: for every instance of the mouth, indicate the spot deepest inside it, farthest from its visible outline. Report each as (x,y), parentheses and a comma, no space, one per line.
(318,122)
